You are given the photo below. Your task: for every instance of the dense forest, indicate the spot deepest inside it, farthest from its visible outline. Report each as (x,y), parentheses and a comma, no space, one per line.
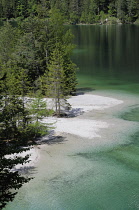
(74,11)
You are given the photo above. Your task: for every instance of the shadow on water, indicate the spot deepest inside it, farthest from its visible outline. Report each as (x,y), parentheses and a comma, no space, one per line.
(56,140)
(51,139)
(125,154)
(132,114)
(83,90)
(27,170)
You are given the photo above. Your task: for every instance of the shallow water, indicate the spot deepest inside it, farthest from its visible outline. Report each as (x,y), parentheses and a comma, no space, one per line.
(132,114)
(105,176)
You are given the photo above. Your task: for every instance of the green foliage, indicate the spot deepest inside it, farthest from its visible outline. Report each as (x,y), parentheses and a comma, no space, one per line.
(37,129)
(112,20)
(75,11)
(38,110)
(137,21)
(9,36)
(10,117)
(9,180)
(60,76)
(17,129)
(112,9)
(103,17)
(10,142)
(73,18)
(56,79)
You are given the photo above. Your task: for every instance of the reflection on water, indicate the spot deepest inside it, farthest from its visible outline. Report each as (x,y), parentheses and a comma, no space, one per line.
(108,56)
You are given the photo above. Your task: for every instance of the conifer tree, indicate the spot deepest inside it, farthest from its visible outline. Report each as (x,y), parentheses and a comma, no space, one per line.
(10,142)
(38,110)
(56,79)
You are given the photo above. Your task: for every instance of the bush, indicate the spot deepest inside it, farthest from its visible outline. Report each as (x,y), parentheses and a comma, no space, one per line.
(112,20)
(137,21)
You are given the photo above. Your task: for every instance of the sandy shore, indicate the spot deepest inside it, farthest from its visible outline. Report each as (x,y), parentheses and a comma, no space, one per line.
(75,149)
(74,129)
(77,127)
(33,158)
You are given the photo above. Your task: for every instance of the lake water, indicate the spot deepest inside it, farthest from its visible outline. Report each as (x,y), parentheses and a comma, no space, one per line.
(105,178)
(108,56)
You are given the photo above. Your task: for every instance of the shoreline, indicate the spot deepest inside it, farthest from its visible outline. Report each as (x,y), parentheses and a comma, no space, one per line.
(77,127)
(95,130)
(87,129)
(67,158)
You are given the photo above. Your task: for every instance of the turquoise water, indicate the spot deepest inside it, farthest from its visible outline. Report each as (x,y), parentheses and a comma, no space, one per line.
(132,114)
(106,177)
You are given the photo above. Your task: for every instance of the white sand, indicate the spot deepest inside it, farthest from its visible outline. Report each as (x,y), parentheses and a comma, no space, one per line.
(83,127)
(80,127)
(88,102)
(76,125)
(33,157)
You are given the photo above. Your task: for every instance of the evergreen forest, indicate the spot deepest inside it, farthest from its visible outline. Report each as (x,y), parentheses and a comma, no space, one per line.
(74,11)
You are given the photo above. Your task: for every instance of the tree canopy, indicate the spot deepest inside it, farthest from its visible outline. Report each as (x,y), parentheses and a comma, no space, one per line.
(75,11)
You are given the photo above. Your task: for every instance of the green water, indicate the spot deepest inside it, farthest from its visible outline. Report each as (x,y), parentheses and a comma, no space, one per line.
(132,114)
(106,177)
(107,56)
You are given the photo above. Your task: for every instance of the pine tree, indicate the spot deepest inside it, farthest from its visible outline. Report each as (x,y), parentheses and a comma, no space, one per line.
(10,142)
(56,80)
(74,11)
(132,10)
(121,9)
(38,110)
(8,39)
